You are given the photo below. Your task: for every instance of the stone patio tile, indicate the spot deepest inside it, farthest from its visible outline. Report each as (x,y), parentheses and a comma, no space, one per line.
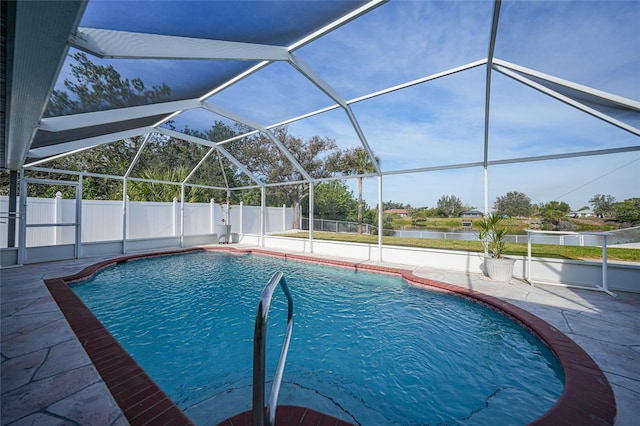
(629,383)
(600,327)
(37,395)
(558,301)
(120,421)
(627,393)
(19,325)
(42,419)
(41,305)
(551,315)
(28,291)
(19,371)
(94,405)
(611,357)
(63,357)
(46,336)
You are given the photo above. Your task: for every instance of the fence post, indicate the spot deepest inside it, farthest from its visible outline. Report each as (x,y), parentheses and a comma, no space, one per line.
(284,217)
(175,216)
(128,224)
(263,202)
(57,218)
(241,214)
(212,216)
(125,215)
(78,227)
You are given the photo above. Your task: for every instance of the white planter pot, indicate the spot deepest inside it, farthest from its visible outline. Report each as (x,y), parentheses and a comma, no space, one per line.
(499,269)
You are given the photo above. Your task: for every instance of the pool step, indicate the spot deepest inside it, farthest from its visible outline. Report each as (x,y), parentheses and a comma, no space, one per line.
(289,415)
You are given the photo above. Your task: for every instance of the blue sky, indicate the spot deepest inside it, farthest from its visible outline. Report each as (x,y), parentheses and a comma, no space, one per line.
(594,43)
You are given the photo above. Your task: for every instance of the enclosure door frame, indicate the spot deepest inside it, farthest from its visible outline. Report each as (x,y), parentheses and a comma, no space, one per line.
(22,236)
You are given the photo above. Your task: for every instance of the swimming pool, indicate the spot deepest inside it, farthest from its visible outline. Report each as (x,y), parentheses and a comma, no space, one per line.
(367,348)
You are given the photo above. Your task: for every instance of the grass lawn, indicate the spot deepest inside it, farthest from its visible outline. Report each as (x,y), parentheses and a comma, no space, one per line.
(538,250)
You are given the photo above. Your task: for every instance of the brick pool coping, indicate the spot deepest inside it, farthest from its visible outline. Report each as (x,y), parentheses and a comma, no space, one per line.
(587,397)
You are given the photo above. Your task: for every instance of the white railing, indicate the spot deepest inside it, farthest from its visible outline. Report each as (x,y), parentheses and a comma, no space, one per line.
(604,287)
(591,239)
(331,225)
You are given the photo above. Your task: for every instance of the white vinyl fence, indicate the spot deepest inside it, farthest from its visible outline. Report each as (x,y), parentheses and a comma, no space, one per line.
(102,220)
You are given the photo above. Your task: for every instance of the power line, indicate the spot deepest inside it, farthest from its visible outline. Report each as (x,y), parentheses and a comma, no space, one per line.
(598,178)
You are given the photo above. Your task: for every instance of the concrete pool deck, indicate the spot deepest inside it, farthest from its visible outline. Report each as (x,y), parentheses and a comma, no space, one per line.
(48,378)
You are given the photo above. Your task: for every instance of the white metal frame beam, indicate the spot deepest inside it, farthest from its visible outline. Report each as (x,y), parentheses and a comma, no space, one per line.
(366,8)
(55,157)
(60,148)
(104,117)
(492,44)
(300,43)
(248,122)
(609,97)
(516,160)
(312,76)
(567,100)
(200,163)
(130,45)
(194,139)
(125,194)
(69,122)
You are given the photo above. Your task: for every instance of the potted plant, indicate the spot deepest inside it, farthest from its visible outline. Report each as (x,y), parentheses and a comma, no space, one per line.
(492,232)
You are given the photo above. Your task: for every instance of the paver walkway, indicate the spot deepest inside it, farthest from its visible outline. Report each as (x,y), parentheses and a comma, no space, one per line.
(48,379)
(46,376)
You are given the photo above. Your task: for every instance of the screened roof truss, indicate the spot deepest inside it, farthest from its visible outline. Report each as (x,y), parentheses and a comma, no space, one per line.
(35,63)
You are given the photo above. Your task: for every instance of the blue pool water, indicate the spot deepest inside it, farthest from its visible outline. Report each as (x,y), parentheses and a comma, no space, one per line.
(368,348)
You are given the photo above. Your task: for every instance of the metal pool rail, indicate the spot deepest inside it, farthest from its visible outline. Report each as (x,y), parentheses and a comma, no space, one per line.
(604,287)
(259,342)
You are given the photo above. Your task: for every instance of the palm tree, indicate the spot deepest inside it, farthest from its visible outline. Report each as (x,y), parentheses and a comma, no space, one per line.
(356,161)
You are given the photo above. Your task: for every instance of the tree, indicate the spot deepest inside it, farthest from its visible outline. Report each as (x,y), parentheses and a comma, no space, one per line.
(356,161)
(388,205)
(93,88)
(371,217)
(602,204)
(263,158)
(419,216)
(98,88)
(450,206)
(109,159)
(334,200)
(627,210)
(513,204)
(554,211)
(153,191)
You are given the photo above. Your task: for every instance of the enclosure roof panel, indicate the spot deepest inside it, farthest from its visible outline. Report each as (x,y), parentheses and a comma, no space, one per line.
(279,23)
(423,85)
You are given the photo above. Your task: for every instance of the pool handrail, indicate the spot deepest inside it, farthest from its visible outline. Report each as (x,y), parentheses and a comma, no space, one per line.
(259,342)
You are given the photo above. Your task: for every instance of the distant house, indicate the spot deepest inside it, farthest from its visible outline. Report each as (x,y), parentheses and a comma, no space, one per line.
(581,213)
(399,212)
(472,213)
